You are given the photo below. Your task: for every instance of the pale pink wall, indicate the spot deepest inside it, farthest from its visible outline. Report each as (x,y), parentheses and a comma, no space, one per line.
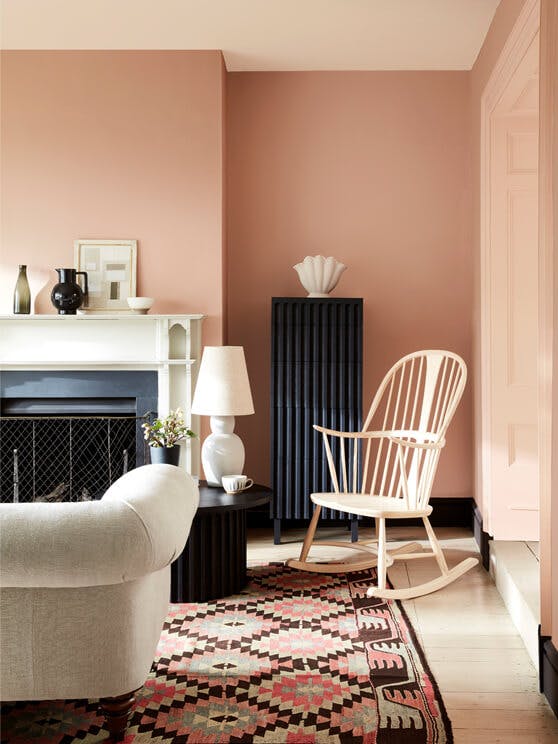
(502,24)
(372,168)
(117,144)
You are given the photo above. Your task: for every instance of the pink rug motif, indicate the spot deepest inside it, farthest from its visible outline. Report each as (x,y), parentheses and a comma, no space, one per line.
(296,658)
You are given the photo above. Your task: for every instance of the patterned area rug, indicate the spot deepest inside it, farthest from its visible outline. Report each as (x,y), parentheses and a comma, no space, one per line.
(296,658)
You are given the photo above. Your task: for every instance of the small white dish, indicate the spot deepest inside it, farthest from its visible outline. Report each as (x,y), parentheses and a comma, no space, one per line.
(140,305)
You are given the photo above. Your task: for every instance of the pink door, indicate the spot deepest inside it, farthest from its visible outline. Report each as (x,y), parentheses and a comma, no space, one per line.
(514,480)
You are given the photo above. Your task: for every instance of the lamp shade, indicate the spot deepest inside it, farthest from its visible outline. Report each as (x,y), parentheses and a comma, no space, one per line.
(223,388)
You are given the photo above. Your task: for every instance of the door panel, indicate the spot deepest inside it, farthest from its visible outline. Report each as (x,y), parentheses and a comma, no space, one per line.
(514,333)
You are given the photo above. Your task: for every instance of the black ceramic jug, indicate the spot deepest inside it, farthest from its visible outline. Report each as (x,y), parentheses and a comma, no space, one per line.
(67,295)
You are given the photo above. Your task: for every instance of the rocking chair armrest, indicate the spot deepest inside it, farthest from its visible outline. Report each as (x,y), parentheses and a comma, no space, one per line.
(351,434)
(415,445)
(396,436)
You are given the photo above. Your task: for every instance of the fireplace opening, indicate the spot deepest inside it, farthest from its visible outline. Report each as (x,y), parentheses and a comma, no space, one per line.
(67,458)
(67,436)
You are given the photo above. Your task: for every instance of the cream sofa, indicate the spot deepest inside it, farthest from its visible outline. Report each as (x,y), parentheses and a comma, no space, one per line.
(85,589)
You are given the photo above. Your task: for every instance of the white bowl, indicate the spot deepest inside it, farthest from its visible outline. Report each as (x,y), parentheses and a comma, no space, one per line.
(140,305)
(319,275)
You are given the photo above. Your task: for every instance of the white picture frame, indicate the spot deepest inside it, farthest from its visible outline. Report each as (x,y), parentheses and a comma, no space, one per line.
(111,267)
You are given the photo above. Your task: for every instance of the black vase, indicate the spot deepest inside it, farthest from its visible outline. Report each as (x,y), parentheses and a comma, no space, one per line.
(165,455)
(67,295)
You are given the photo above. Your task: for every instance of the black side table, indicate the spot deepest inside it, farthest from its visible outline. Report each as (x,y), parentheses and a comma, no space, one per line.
(213,563)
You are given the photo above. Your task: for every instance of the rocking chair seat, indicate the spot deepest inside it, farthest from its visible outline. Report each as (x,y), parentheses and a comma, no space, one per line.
(380,507)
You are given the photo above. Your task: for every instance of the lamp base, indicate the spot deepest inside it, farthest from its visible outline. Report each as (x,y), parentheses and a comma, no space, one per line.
(222,452)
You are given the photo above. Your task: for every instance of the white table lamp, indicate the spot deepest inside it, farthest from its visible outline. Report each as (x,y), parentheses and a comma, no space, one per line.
(222,392)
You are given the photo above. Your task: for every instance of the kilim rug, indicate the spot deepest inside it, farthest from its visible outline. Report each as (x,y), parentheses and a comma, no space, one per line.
(296,658)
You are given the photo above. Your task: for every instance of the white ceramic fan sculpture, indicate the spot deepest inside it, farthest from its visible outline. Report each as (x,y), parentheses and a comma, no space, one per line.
(319,275)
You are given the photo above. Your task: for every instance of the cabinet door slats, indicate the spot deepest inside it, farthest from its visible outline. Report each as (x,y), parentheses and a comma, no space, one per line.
(316,378)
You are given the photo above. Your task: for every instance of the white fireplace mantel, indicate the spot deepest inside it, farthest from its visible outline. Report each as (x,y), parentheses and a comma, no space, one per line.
(169,344)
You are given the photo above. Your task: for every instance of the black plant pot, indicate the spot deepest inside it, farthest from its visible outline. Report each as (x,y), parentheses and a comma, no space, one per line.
(165,455)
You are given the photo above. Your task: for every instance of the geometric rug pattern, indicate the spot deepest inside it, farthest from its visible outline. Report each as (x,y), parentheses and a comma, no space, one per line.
(296,658)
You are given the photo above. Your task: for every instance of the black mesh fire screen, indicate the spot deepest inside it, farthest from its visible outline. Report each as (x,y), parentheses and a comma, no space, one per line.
(67,458)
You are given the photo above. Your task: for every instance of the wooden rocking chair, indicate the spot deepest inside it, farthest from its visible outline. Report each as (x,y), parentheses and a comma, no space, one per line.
(387,473)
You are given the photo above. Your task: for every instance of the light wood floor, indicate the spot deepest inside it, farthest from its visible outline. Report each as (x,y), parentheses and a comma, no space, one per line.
(486,678)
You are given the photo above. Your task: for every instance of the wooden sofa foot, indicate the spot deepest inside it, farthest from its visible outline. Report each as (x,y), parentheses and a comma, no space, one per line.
(116,711)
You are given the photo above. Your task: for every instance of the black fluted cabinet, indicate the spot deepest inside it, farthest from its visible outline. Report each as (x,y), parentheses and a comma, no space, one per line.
(316,378)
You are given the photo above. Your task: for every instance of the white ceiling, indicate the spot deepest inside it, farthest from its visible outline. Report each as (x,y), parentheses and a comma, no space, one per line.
(264,34)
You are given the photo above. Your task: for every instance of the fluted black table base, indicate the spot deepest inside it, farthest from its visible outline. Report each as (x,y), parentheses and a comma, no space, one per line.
(213,563)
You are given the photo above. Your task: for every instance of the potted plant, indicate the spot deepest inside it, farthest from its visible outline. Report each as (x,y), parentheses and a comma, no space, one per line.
(164,435)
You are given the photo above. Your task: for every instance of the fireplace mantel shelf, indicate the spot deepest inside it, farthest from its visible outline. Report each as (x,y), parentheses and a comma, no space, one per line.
(100,316)
(97,340)
(93,363)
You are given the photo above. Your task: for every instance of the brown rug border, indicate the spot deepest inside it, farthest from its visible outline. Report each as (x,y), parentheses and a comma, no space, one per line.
(418,646)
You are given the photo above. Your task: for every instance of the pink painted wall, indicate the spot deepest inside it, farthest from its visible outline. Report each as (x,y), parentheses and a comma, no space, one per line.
(112,144)
(372,168)
(502,24)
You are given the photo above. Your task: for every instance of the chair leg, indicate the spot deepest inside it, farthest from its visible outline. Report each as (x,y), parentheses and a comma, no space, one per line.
(446,577)
(116,711)
(382,564)
(339,566)
(307,544)
(436,548)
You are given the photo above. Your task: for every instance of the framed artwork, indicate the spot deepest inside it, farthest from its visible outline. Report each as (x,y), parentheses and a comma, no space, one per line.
(111,272)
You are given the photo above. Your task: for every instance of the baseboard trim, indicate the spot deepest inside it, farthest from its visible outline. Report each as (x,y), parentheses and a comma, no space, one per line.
(542,641)
(548,671)
(482,538)
(448,512)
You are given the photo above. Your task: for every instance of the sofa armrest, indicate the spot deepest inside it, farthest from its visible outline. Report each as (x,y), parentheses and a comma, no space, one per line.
(140,526)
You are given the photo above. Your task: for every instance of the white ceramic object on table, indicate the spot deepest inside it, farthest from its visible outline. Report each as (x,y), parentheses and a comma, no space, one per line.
(140,305)
(223,450)
(319,275)
(236,483)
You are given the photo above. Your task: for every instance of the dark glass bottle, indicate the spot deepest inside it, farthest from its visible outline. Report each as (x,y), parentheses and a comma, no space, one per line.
(22,293)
